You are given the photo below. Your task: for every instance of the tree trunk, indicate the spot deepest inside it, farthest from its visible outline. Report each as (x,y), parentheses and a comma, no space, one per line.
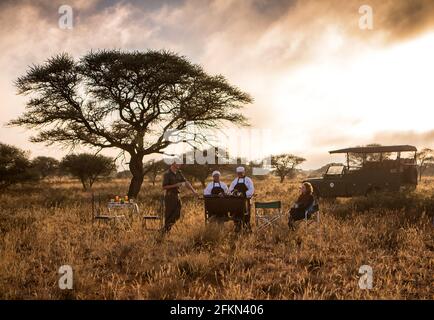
(83,183)
(136,169)
(282,177)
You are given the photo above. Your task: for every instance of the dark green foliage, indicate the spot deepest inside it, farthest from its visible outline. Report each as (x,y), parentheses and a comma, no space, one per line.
(45,166)
(87,167)
(15,166)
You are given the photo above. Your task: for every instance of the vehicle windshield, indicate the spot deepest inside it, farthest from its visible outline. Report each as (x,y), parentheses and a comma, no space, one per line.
(335,170)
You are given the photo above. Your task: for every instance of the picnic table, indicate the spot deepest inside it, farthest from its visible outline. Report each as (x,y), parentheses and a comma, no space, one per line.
(112,214)
(131,206)
(225,206)
(113,208)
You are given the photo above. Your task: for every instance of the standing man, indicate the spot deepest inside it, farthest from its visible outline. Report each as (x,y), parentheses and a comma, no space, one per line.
(172,181)
(242,186)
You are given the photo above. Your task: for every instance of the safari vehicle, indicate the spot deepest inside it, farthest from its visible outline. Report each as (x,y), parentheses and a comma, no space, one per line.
(369,169)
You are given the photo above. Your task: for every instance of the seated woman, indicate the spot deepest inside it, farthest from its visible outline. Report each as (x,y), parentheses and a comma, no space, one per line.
(304,201)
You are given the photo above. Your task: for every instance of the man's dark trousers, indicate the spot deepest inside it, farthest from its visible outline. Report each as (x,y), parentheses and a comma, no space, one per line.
(172,211)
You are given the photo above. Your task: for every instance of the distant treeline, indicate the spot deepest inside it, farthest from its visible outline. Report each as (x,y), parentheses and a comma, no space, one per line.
(16,166)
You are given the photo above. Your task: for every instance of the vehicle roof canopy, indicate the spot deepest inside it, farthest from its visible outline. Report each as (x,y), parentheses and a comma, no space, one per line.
(376,149)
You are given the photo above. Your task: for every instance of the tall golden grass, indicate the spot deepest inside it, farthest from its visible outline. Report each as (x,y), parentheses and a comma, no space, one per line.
(49,225)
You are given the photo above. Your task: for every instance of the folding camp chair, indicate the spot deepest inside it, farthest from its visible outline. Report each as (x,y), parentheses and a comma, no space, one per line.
(312,213)
(267,213)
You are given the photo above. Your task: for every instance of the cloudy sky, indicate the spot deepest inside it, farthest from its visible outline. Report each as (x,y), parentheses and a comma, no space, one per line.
(319,81)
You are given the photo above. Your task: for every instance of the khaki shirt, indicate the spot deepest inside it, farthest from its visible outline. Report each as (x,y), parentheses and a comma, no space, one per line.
(171,178)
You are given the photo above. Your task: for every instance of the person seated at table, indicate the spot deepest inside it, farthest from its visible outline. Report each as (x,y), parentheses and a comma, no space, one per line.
(216,187)
(304,201)
(242,186)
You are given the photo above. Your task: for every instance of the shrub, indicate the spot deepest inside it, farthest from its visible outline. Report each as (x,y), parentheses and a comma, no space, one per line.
(15,166)
(87,167)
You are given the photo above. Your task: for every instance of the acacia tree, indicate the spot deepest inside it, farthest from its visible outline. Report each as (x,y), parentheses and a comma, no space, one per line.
(125,100)
(425,158)
(284,164)
(87,167)
(45,166)
(153,168)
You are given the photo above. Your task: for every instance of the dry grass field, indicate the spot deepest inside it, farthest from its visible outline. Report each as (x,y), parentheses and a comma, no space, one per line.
(45,226)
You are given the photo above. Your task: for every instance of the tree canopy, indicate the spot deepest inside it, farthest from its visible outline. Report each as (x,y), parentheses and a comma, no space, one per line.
(15,166)
(425,159)
(87,167)
(284,164)
(45,166)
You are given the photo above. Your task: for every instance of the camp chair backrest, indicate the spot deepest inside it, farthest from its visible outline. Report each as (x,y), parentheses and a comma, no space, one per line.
(268,205)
